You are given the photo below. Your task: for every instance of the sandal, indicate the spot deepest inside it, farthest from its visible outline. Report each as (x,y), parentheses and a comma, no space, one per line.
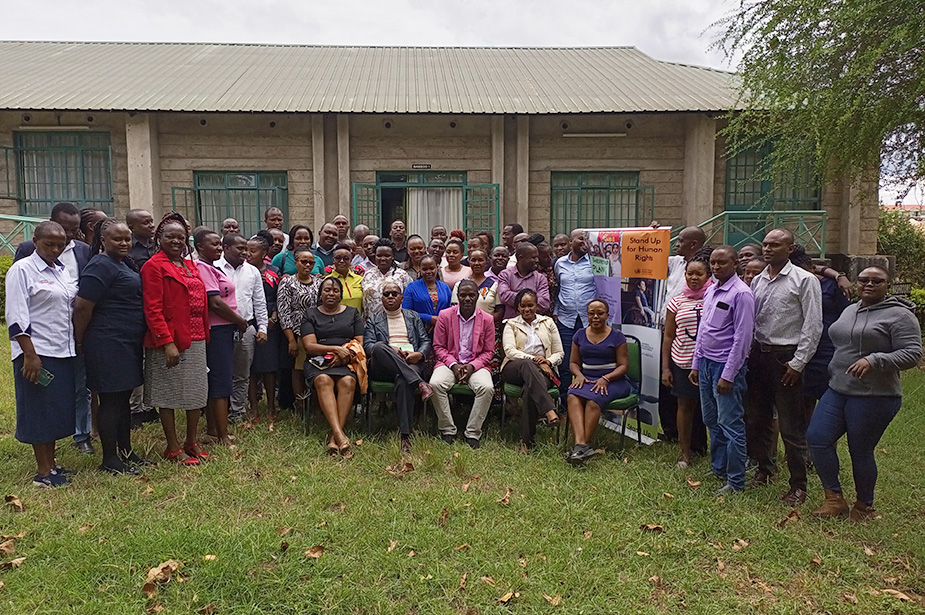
(175,456)
(193,450)
(344,450)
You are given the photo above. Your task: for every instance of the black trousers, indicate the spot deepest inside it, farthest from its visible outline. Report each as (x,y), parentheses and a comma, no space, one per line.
(765,392)
(386,364)
(527,374)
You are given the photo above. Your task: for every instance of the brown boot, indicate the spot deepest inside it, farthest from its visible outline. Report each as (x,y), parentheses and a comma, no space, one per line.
(834,505)
(861,511)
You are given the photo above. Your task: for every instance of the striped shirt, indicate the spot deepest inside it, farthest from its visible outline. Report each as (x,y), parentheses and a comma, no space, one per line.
(687,319)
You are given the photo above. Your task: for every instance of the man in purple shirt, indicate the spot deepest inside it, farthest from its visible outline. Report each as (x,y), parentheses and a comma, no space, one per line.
(723,341)
(523,275)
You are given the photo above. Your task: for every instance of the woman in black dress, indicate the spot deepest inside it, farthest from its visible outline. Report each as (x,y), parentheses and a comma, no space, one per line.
(109,330)
(325,331)
(266,356)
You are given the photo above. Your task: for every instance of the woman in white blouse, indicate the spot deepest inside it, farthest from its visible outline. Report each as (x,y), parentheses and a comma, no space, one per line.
(532,349)
(39,306)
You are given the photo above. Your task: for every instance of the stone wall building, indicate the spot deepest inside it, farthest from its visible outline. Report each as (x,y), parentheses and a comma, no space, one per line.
(471,138)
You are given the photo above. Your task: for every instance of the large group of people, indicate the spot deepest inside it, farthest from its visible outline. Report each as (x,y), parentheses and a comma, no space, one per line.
(108,318)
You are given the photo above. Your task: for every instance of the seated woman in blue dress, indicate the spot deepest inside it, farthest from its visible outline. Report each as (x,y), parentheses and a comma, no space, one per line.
(598,365)
(427,295)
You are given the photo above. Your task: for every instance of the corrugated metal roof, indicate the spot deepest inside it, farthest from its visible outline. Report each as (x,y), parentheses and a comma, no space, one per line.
(291,78)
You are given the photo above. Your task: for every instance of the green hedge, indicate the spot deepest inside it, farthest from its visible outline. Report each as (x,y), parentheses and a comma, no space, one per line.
(917,296)
(5,263)
(899,237)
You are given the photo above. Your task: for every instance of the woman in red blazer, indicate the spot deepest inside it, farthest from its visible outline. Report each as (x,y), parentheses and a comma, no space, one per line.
(175,344)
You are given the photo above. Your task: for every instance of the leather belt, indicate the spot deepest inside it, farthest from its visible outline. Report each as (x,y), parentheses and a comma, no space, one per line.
(770,348)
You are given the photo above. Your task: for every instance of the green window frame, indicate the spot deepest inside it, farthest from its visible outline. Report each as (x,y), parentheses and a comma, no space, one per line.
(748,187)
(242,195)
(55,166)
(593,200)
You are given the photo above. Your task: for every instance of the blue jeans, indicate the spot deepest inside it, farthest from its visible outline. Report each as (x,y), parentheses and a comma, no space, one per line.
(724,416)
(566,332)
(82,402)
(864,419)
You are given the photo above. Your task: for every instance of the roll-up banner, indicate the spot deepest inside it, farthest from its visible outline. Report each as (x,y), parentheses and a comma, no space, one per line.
(630,267)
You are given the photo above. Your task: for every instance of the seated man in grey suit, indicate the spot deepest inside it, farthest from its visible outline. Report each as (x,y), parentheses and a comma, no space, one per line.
(396,345)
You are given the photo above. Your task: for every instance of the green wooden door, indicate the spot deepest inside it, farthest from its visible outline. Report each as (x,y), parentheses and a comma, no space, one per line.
(367,202)
(481,209)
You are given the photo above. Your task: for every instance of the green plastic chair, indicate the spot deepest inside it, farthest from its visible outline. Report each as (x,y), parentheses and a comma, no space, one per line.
(630,403)
(513,391)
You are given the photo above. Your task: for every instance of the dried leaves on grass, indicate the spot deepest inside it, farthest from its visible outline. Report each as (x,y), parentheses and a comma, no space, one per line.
(14,503)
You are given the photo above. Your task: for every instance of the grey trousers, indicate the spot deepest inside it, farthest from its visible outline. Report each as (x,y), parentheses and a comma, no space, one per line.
(243,357)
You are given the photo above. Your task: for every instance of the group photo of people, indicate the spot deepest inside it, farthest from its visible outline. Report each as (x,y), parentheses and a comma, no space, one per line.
(115,322)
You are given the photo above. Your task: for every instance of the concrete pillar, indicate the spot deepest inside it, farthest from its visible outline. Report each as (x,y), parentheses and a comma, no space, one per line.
(144,164)
(523,170)
(699,167)
(852,202)
(497,159)
(344,192)
(318,190)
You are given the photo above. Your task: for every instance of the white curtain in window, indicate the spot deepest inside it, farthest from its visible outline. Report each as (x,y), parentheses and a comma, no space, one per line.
(429,207)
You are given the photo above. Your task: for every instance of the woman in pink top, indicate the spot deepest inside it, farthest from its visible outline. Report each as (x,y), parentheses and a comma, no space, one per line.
(224,324)
(454,271)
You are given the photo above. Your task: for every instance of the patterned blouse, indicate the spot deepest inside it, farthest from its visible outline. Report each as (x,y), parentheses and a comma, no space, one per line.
(553,284)
(372,287)
(293,299)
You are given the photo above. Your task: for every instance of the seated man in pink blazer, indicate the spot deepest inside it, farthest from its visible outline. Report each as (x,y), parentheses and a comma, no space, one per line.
(464,340)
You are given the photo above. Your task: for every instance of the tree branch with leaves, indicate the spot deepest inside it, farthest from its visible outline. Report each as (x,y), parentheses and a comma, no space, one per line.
(838,83)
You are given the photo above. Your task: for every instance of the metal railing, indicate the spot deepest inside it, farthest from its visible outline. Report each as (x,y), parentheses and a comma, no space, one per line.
(738,228)
(14,230)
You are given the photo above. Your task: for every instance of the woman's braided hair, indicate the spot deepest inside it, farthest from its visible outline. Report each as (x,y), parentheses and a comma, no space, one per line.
(171,217)
(97,246)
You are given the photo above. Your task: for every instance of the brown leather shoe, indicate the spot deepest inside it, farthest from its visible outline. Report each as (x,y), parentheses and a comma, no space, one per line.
(794,497)
(861,511)
(760,479)
(834,505)
(426,390)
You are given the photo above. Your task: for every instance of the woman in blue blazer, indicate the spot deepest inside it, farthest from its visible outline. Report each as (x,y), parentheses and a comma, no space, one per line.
(427,295)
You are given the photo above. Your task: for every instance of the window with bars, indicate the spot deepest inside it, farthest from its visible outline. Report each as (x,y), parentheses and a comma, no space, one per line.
(244,196)
(63,166)
(748,186)
(593,200)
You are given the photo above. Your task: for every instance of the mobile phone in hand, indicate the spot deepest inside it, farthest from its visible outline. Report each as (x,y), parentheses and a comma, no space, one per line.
(45,377)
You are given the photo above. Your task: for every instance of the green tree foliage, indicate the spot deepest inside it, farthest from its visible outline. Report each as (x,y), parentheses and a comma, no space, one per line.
(899,237)
(830,81)
(5,263)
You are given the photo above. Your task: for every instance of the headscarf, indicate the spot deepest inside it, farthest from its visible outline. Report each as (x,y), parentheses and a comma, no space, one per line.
(697,294)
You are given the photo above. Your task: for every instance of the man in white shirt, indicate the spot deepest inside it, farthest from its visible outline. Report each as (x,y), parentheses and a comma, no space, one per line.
(252,307)
(788,325)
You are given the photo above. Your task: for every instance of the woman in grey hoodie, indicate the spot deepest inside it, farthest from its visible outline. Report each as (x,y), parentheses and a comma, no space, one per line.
(874,339)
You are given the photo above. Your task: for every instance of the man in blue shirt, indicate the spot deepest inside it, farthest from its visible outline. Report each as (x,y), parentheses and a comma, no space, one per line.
(576,290)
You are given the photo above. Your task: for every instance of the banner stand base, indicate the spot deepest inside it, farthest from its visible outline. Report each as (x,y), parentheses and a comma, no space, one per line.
(631,433)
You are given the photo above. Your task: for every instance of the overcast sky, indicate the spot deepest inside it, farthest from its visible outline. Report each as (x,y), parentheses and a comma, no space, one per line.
(665,29)
(672,30)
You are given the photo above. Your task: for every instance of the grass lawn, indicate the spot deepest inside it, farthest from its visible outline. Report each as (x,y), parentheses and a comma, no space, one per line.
(437,540)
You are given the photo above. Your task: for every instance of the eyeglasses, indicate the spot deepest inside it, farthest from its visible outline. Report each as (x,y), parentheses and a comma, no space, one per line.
(342,259)
(871,281)
(390,293)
